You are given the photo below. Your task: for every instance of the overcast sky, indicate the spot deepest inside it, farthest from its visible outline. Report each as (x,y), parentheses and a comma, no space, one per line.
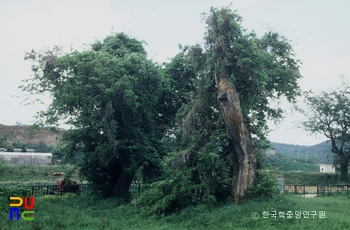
(317,29)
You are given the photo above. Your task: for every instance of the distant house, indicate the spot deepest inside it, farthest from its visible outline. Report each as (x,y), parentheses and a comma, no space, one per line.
(327,168)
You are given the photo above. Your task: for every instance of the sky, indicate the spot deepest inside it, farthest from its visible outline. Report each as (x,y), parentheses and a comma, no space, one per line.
(318,32)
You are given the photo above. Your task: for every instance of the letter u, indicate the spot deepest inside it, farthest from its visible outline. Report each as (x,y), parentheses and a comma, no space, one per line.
(31,203)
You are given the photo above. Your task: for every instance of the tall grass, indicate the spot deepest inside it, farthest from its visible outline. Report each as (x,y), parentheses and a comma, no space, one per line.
(88,212)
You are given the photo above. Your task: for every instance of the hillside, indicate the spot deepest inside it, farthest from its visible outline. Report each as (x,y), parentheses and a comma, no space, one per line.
(29,135)
(283,163)
(319,153)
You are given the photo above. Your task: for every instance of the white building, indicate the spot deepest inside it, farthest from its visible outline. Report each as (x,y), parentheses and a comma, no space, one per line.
(327,168)
(26,158)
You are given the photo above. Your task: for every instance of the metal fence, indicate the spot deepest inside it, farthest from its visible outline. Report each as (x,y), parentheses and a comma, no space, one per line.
(137,187)
(327,190)
(42,190)
(321,190)
(294,189)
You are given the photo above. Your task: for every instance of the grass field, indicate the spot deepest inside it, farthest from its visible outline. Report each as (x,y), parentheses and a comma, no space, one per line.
(84,212)
(89,212)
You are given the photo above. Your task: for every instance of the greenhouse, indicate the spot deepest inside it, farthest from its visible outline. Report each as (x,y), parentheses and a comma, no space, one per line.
(26,158)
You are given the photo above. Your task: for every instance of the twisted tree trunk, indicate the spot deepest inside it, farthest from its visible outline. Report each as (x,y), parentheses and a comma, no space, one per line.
(244,160)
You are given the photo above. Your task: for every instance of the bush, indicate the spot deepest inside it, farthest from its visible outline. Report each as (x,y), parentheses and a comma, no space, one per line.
(20,190)
(265,185)
(6,192)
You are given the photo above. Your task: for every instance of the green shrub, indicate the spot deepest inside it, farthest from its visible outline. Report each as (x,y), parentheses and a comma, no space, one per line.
(265,185)
(6,192)
(202,179)
(20,190)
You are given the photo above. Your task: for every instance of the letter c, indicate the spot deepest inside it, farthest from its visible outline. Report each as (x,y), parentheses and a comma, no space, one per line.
(27,218)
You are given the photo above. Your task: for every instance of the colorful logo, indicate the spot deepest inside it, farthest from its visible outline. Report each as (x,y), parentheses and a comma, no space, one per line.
(28,214)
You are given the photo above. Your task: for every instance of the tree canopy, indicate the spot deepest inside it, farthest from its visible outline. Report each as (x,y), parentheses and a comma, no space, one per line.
(328,113)
(110,95)
(129,114)
(261,69)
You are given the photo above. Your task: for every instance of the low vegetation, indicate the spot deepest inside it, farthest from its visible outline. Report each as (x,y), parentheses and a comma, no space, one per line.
(283,163)
(88,212)
(311,179)
(32,174)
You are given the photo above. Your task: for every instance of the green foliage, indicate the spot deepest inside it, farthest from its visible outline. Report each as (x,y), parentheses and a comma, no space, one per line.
(57,152)
(312,179)
(265,185)
(190,179)
(328,113)
(282,163)
(20,190)
(262,69)
(95,213)
(319,153)
(2,162)
(111,95)
(33,174)
(122,108)
(17,145)
(6,193)
(3,140)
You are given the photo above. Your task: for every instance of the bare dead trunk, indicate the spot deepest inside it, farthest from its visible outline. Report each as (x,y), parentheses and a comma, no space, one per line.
(245,160)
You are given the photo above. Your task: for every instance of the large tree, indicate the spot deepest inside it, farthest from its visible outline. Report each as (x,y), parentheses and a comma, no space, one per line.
(328,114)
(113,98)
(249,72)
(239,79)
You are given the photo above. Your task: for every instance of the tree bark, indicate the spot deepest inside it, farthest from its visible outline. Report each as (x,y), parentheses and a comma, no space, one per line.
(344,160)
(244,160)
(121,188)
(344,164)
(121,180)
